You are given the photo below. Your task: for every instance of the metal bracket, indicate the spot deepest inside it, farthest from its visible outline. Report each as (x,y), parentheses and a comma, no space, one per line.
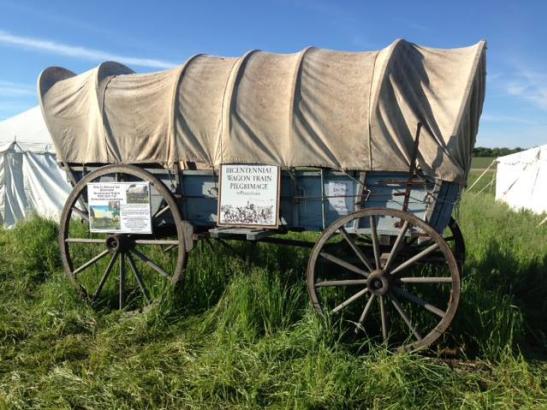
(413,167)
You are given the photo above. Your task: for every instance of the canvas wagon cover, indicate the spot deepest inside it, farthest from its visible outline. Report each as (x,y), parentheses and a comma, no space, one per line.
(321,108)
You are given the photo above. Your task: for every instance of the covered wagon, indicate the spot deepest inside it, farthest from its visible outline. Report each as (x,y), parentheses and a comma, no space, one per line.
(370,149)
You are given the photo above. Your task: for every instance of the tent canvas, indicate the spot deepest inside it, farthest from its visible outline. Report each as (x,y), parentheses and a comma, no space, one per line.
(521,179)
(30,178)
(314,108)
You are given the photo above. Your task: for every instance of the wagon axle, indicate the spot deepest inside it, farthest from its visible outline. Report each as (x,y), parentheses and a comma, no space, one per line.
(119,243)
(378,282)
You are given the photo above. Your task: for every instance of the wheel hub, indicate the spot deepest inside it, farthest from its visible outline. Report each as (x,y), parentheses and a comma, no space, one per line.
(378,282)
(120,243)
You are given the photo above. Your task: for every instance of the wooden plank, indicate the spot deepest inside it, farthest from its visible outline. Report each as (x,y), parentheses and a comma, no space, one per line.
(249,234)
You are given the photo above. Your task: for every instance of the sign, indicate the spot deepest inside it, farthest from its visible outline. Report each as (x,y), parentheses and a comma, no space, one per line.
(249,195)
(340,196)
(119,207)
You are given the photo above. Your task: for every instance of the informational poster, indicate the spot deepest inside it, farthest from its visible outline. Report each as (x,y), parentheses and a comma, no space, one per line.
(249,195)
(119,207)
(340,196)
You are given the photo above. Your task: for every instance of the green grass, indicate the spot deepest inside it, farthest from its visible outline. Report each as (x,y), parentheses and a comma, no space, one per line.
(245,337)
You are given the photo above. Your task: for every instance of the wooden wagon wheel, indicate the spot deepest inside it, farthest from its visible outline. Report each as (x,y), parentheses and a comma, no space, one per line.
(403,291)
(144,263)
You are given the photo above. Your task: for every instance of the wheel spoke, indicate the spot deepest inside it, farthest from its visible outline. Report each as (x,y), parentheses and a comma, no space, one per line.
(365,312)
(383,317)
(84,240)
(122,281)
(406,319)
(349,300)
(355,248)
(161,211)
(138,278)
(90,262)
(419,301)
(165,250)
(427,279)
(81,213)
(344,264)
(150,263)
(415,258)
(104,277)
(82,201)
(396,245)
(375,244)
(349,282)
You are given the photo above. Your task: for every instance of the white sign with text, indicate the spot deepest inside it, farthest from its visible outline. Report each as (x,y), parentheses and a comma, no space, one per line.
(249,195)
(119,207)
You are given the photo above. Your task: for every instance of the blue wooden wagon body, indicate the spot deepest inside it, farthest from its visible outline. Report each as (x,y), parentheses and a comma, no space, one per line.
(307,202)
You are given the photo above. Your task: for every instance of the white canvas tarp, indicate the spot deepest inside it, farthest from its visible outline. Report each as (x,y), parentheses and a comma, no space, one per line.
(521,179)
(339,110)
(30,179)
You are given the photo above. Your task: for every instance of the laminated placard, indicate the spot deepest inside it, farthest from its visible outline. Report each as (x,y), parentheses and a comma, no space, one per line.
(120,207)
(340,196)
(249,195)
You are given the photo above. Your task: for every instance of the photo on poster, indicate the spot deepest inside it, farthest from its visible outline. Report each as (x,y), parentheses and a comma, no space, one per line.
(138,194)
(249,195)
(105,217)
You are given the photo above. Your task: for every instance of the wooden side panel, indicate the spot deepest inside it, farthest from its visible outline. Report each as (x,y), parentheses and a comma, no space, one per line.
(444,205)
(311,200)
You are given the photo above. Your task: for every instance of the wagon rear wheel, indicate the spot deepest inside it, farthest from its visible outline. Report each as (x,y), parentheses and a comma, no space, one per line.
(122,270)
(387,275)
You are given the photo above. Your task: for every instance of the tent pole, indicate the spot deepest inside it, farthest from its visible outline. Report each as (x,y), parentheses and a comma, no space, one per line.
(481,175)
(485,187)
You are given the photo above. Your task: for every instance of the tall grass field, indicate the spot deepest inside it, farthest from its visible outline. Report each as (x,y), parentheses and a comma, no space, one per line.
(245,336)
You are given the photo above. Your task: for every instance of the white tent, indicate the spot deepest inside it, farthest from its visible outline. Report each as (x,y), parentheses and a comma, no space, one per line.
(30,179)
(521,179)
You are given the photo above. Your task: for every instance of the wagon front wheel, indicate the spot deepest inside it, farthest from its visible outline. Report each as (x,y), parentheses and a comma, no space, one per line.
(118,269)
(387,275)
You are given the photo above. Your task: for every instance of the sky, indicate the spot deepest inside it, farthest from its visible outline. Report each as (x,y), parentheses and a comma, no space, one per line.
(151,36)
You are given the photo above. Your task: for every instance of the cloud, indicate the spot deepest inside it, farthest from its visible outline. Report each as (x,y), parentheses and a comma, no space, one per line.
(55,18)
(504,119)
(529,85)
(78,52)
(9,89)
(15,97)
